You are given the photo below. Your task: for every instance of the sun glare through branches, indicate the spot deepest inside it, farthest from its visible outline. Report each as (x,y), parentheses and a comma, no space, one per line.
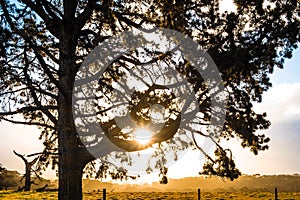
(142,136)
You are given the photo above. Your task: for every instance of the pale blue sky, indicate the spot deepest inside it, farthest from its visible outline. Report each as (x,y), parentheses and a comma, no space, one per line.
(281,102)
(291,71)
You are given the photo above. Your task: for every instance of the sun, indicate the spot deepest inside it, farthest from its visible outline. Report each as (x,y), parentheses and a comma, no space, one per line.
(142,136)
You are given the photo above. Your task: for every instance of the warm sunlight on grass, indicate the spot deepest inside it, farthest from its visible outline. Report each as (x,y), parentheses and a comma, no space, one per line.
(142,136)
(8,195)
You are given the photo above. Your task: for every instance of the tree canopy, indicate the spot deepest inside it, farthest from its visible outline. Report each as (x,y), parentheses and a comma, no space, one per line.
(44,43)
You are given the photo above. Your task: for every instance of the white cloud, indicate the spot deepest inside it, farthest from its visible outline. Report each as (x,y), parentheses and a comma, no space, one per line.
(282,105)
(281,102)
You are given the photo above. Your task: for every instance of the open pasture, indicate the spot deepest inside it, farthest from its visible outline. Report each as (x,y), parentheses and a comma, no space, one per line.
(8,195)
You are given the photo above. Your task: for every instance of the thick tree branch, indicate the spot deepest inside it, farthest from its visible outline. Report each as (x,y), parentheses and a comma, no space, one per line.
(27,109)
(28,123)
(69,10)
(43,153)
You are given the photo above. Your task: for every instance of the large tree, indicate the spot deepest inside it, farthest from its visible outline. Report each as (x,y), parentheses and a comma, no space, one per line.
(43,44)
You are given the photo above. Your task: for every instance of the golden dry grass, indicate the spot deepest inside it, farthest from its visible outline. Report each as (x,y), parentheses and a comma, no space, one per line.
(9,195)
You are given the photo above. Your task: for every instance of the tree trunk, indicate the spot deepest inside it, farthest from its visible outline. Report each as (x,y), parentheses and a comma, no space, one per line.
(27,177)
(72,160)
(72,155)
(70,166)
(70,179)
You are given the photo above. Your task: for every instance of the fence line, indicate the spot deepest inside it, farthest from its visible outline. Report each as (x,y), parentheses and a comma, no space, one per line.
(199,194)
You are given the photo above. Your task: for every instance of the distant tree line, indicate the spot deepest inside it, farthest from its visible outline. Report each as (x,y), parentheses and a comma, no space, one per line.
(9,179)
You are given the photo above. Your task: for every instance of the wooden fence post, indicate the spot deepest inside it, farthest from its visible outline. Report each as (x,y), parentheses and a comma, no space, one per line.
(199,194)
(104,194)
(276,194)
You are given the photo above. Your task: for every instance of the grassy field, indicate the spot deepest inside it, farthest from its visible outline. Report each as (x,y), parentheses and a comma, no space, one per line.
(9,195)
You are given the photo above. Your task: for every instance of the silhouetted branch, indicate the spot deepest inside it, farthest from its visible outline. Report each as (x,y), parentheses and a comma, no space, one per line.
(28,170)
(27,123)
(27,109)
(43,153)
(52,21)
